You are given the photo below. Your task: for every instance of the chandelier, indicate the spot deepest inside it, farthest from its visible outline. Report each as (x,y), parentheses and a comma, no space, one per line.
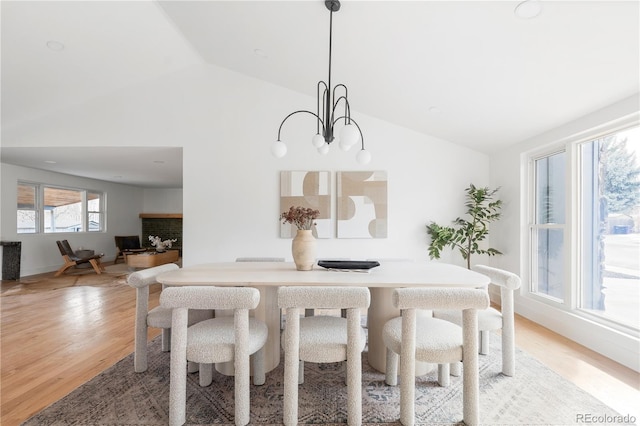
(332,107)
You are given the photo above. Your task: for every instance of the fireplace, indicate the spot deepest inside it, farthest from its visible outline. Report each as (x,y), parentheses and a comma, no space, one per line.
(164,225)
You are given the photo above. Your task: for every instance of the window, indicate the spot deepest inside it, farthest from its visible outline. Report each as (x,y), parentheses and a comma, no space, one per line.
(610,227)
(584,230)
(547,232)
(95,211)
(27,208)
(63,209)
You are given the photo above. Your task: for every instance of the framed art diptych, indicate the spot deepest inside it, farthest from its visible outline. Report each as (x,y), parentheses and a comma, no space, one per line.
(362,204)
(308,189)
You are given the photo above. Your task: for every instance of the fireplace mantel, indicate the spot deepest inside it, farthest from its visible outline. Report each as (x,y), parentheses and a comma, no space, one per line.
(160,215)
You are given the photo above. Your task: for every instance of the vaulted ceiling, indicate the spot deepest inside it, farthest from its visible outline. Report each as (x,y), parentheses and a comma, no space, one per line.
(471,72)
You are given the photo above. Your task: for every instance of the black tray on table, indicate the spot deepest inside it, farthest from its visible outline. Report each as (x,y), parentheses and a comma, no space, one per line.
(348,264)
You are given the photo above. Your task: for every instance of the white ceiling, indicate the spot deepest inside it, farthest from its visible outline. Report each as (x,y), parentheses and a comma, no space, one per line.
(470,72)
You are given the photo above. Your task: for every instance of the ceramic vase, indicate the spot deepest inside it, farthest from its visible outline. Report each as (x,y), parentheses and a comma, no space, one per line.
(303,248)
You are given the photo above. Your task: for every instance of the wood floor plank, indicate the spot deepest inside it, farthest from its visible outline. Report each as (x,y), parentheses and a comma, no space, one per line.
(57,334)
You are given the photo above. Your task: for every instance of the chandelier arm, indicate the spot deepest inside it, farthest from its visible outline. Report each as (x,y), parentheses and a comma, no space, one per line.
(347,109)
(320,105)
(354,122)
(296,112)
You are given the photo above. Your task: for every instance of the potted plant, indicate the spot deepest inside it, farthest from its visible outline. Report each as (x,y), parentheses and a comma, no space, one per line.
(303,246)
(465,235)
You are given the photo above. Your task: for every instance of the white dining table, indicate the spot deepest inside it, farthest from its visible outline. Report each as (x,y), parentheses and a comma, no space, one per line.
(381,280)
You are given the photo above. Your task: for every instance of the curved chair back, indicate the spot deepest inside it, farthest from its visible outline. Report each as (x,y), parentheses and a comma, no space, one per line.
(205,297)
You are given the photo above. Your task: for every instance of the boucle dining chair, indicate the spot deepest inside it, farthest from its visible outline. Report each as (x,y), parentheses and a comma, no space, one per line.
(157,317)
(215,340)
(492,319)
(323,339)
(410,338)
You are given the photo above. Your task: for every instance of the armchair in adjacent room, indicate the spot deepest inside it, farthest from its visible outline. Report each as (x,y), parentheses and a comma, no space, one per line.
(126,245)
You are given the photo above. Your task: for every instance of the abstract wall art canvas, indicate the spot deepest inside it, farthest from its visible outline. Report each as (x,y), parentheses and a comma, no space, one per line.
(362,204)
(309,189)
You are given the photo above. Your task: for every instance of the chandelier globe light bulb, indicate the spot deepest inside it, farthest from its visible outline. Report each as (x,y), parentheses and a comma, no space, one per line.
(317,140)
(324,149)
(363,157)
(349,136)
(278,149)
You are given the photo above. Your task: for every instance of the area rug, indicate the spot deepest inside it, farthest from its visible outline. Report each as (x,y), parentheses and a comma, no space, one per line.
(118,396)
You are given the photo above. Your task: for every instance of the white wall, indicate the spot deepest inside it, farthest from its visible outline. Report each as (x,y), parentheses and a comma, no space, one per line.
(168,200)
(39,252)
(507,172)
(226,124)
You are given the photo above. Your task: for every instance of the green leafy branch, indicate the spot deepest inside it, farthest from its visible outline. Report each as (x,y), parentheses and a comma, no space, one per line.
(466,235)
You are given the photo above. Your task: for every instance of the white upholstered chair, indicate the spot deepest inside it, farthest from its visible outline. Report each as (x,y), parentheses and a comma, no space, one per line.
(323,339)
(214,340)
(436,341)
(157,317)
(492,319)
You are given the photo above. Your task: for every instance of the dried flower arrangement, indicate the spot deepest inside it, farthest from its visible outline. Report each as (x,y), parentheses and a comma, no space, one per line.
(302,217)
(161,245)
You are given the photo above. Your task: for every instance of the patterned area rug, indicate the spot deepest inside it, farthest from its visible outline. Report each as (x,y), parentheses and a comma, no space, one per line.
(118,396)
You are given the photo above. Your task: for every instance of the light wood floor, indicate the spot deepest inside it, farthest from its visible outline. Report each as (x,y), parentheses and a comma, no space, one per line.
(56,337)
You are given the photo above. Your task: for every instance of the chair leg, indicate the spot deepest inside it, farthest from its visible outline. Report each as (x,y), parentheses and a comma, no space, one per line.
(257,360)
(508,355)
(443,375)
(354,391)
(205,376)
(300,372)
(178,370)
(140,345)
(96,266)
(166,339)
(63,268)
(484,342)
(455,368)
(291,367)
(391,369)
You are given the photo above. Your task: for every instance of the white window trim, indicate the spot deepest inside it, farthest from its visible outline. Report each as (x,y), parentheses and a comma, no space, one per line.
(40,216)
(572,225)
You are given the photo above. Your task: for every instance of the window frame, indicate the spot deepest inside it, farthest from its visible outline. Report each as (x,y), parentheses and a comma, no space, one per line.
(36,207)
(573,265)
(84,214)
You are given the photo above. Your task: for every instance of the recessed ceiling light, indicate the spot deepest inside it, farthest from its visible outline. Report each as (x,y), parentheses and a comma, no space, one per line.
(435,110)
(528,9)
(50,161)
(259,52)
(55,45)
(158,161)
